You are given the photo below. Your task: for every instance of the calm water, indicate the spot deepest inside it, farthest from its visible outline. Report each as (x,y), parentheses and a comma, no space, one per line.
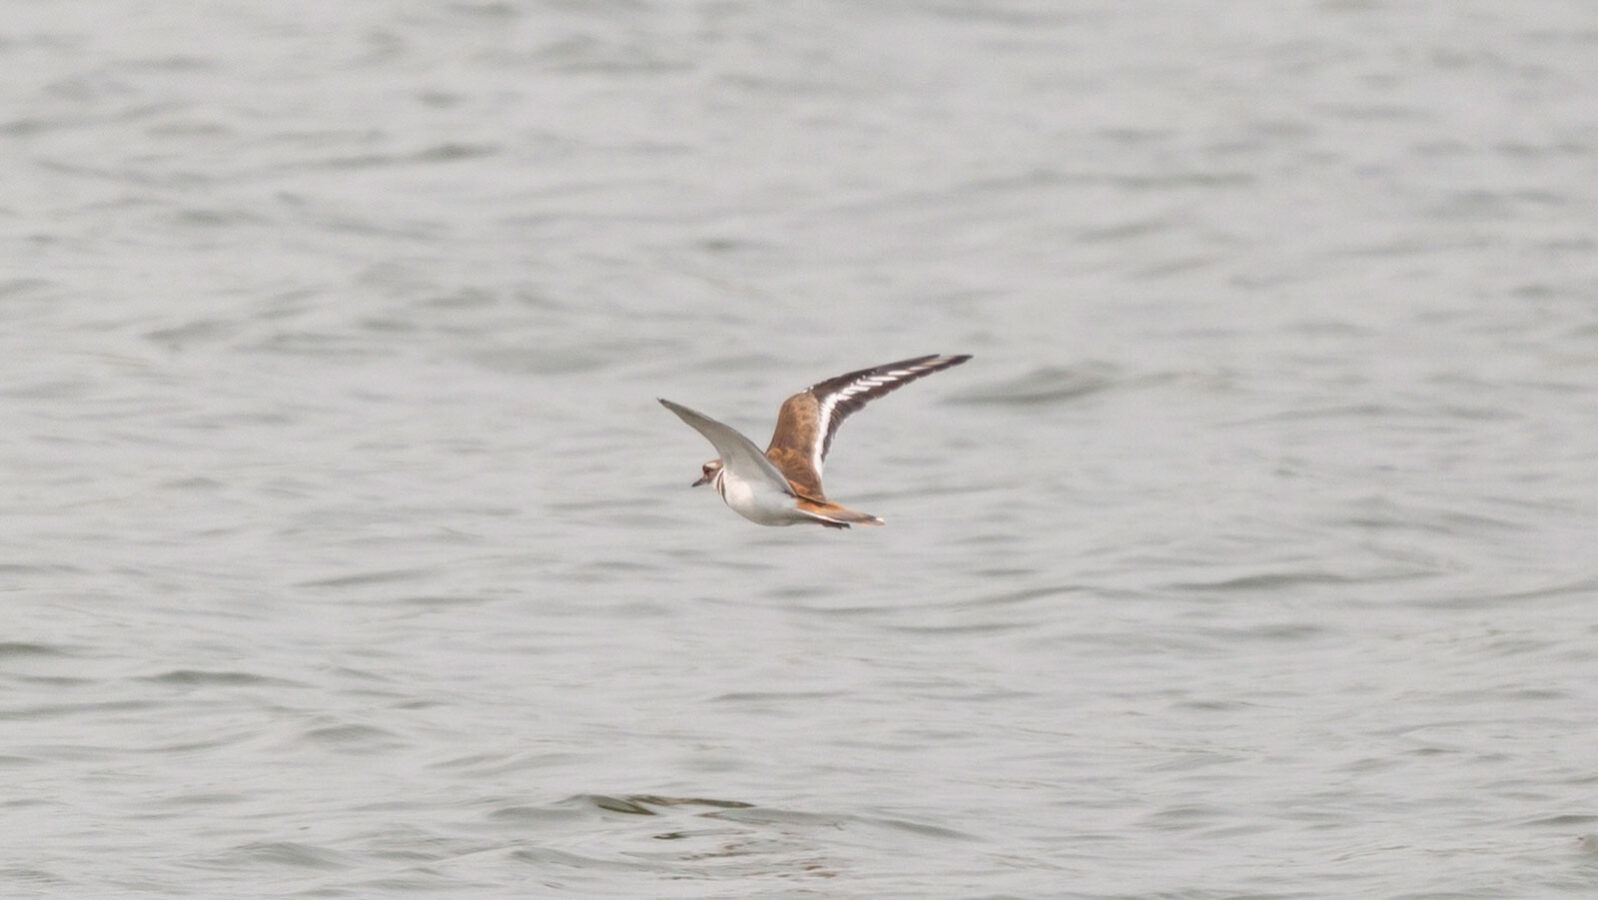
(346,553)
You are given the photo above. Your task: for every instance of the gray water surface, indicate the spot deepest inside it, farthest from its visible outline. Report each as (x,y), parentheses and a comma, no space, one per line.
(344,551)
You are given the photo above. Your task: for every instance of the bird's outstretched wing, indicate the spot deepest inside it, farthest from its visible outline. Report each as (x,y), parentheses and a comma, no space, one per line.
(736,451)
(810,418)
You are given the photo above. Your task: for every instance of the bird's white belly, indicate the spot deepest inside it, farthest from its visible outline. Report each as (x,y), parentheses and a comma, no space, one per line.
(758,501)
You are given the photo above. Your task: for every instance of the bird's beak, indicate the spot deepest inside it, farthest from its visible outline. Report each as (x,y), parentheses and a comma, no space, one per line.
(703,480)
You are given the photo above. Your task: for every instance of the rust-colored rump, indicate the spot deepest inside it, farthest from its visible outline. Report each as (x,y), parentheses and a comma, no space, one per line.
(834,511)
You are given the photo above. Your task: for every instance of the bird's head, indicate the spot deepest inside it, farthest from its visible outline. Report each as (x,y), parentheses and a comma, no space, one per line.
(709,470)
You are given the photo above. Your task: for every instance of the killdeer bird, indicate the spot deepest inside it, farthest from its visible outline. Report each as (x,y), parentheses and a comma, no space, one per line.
(783,485)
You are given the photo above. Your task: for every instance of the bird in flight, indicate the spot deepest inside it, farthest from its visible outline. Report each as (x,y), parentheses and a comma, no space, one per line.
(783,485)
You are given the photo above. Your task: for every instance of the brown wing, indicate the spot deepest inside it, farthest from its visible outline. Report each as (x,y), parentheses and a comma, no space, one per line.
(810,418)
(798,427)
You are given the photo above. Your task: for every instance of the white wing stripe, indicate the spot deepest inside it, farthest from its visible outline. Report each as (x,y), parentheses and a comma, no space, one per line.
(859,386)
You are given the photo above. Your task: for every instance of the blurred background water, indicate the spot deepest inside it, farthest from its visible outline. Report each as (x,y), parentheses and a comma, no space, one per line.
(345,552)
